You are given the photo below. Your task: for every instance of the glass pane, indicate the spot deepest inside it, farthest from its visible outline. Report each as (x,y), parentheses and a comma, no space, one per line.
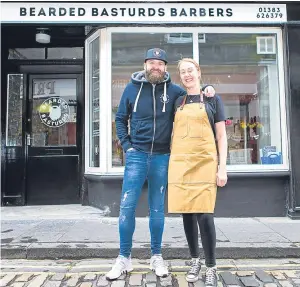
(65,53)
(94,102)
(245,75)
(14,110)
(128,52)
(54,110)
(26,53)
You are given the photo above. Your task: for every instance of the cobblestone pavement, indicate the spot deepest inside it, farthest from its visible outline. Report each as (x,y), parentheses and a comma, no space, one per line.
(90,273)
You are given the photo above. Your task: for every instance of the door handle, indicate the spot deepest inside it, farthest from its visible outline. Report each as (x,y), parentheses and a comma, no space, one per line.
(28,140)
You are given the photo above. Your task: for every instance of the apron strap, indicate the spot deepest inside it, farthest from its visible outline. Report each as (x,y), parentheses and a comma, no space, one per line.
(201,103)
(183,102)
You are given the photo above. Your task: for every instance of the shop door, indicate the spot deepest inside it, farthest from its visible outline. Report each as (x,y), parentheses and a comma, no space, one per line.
(52,166)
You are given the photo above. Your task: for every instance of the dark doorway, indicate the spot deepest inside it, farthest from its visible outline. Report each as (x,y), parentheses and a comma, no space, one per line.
(42,138)
(51,139)
(42,105)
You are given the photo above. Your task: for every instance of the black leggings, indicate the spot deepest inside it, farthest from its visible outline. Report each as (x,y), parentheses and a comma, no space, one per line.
(207,232)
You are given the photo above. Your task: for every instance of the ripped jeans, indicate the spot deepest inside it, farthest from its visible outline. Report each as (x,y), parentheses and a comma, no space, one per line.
(139,167)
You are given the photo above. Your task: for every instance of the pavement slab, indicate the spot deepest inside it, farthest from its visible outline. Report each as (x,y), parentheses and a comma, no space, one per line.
(81,232)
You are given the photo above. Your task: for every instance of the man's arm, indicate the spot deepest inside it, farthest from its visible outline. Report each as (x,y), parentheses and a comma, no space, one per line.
(122,117)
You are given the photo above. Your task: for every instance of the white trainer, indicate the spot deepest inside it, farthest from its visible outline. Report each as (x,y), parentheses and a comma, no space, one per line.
(122,265)
(158,266)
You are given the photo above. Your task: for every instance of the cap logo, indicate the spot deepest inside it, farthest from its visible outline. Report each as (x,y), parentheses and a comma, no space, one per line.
(156,53)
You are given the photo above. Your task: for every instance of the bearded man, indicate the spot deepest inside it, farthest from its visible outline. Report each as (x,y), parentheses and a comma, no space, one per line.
(148,103)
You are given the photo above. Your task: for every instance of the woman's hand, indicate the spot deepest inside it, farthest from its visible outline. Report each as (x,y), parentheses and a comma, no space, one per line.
(221,176)
(209,91)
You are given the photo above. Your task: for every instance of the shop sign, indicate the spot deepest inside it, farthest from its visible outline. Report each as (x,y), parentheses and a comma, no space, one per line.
(54,112)
(218,13)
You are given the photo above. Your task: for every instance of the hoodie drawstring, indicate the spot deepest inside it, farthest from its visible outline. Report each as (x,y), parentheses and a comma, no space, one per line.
(137,98)
(165,97)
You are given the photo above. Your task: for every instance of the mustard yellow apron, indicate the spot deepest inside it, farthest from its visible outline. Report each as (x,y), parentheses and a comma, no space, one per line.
(193,164)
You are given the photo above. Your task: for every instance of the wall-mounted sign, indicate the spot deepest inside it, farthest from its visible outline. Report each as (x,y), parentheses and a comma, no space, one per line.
(54,112)
(219,13)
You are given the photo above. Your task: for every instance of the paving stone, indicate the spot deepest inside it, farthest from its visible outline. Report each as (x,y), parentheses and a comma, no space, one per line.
(151,278)
(296,282)
(291,274)
(58,277)
(86,284)
(18,284)
(270,285)
(264,276)
(151,284)
(24,277)
(278,275)
(200,283)
(72,281)
(244,273)
(52,284)
(6,279)
(249,281)
(285,283)
(90,276)
(102,281)
(229,279)
(181,281)
(167,281)
(135,280)
(118,283)
(38,280)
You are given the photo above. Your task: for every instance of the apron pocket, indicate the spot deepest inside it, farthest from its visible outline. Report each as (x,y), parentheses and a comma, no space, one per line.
(177,169)
(195,127)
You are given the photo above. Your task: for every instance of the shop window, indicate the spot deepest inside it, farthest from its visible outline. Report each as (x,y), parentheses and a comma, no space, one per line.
(245,65)
(15,92)
(94,102)
(65,53)
(26,54)
(128,52)
(244,70)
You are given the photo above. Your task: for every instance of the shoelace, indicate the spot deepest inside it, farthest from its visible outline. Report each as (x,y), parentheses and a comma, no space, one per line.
(210,277)
(158,262)
(195,267)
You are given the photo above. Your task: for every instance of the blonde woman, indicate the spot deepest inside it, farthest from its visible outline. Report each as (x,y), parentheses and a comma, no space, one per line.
(197,166)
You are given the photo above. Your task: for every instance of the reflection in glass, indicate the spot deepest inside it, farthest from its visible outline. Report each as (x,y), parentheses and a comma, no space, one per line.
(26,53)
(243,70)
(65,53)
(94,103)
(128,52)
(54,110)
(14,110)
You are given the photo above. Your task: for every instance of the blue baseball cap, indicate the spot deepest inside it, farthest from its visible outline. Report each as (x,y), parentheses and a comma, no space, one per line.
(157,54)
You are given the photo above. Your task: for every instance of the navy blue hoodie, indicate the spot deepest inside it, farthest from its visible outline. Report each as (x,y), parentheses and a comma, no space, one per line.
(150,111)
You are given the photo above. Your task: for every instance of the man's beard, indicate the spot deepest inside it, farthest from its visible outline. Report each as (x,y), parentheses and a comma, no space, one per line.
(155,78)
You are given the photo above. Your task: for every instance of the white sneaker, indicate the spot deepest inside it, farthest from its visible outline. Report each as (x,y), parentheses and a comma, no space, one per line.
(193,274)
(211,277)
(158,266)
(122,265)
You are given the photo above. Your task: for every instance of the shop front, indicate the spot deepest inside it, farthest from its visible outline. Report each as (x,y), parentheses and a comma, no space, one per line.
(69,149)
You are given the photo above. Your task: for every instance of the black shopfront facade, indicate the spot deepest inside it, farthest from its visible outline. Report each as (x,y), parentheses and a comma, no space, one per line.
(63,71)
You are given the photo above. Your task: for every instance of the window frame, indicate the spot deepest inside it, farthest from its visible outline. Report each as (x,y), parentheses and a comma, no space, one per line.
(105,149)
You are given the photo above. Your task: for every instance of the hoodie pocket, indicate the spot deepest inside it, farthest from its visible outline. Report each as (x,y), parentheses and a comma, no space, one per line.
(135,128)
